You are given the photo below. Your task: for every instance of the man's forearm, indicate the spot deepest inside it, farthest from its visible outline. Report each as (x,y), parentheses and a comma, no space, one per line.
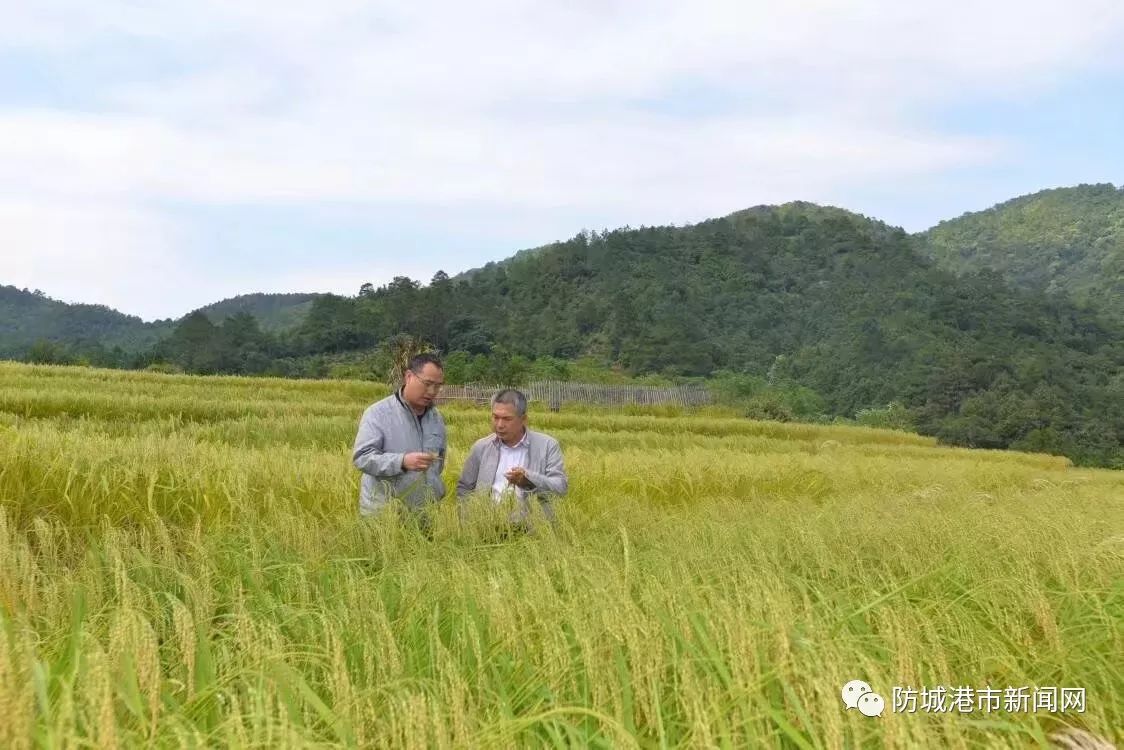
(379,464)
(552,481)
(466,482)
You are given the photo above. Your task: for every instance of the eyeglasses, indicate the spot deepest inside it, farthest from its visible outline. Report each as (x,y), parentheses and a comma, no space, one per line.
(430,385)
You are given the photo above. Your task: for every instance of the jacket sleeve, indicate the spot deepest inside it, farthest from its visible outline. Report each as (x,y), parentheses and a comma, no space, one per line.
(444,449)
(552,479)
(368,454)
(467,481)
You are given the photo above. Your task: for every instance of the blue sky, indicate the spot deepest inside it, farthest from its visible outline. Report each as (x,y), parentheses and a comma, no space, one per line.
(157,158)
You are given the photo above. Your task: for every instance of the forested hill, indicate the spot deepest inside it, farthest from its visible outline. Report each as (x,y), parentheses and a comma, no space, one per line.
(730,293)
(274,312)
(823,310)
(1069,240)
(796,294)
(30,316)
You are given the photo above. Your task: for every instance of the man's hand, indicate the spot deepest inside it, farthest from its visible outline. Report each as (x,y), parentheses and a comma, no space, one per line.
(417,461)
(518,477)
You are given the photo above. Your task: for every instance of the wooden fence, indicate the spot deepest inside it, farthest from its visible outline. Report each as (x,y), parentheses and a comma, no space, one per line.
(555,394)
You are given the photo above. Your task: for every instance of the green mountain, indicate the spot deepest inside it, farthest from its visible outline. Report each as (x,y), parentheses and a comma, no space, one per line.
(831,312)
(792,296)
(274,312)
(30,316)
(1068,240)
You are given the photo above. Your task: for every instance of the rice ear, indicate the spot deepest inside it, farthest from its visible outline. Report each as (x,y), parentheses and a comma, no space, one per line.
(1078,739)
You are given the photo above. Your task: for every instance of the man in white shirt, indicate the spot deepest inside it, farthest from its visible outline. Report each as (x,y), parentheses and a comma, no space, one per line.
(514,462)
(512,457)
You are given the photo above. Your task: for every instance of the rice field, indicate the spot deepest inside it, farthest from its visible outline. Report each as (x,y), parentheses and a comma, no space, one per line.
(181,565)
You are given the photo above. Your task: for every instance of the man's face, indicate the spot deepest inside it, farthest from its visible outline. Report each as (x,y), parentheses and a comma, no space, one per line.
(507,425)
(421,389)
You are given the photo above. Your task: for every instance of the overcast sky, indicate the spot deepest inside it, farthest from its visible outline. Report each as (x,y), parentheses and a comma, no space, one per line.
(159,156)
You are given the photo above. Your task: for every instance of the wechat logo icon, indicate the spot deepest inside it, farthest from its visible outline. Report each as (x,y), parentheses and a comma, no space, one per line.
(857,694)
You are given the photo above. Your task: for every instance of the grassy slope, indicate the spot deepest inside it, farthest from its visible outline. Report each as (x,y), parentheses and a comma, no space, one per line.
(179,559)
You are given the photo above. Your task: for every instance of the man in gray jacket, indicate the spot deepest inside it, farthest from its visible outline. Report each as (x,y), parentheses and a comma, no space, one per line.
(401,444)
(514,463)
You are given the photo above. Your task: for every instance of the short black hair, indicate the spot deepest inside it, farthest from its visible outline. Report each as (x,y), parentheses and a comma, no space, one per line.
(419,361)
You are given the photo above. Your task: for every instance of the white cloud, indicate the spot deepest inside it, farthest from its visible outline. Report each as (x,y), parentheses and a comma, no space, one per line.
(529,106)
(91,252)
(500,48)
(615,160)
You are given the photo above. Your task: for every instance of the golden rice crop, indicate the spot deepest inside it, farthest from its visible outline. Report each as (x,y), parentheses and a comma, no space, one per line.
(181,565)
